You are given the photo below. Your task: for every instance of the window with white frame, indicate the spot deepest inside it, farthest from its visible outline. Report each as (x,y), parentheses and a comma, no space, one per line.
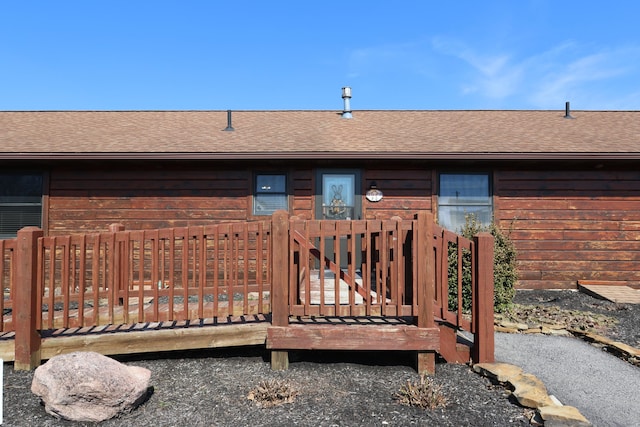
(20,202)
(270,194)
(463,194)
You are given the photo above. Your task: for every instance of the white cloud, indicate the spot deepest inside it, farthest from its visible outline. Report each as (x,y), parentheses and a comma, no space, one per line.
(578,76)
(547,79)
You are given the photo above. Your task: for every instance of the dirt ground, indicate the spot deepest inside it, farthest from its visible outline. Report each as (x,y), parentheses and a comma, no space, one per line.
(210,388)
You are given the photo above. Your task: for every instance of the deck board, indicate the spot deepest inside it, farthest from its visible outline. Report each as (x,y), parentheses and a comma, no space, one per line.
(617,294)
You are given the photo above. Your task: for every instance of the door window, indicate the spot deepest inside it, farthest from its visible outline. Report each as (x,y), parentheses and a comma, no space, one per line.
(338,196)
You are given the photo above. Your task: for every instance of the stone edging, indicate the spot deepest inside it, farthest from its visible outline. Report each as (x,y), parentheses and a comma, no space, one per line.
(530,392)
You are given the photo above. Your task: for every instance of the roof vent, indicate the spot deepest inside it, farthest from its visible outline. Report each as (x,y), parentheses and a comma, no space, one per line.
(567,110)
(229,128)
(346,96)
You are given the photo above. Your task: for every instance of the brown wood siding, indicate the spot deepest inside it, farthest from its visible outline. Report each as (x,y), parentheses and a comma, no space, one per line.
(90,200)
(406,192)
(570,226)
(301,201)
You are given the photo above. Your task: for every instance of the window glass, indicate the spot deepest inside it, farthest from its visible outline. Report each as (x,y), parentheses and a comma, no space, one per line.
(20,203)
(270,194)
(461,195)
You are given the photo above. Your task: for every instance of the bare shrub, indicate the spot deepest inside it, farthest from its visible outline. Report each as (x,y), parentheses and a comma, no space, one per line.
(423,393)
(272,393)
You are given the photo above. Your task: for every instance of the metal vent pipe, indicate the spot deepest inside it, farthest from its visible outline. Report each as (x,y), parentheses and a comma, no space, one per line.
(346,96)
(567,110)
(229,128)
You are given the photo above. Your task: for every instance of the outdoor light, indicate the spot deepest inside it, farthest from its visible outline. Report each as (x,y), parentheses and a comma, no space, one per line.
(373,194)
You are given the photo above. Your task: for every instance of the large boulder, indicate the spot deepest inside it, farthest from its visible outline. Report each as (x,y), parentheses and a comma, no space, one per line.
(89,387)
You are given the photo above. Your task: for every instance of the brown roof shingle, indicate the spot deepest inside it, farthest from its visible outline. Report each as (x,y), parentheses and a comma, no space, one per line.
(319,134)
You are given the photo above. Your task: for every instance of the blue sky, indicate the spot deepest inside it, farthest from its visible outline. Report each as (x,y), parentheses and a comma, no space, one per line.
(296,55)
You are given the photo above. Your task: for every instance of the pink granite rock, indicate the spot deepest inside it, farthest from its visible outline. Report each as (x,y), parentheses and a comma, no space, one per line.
(89,387)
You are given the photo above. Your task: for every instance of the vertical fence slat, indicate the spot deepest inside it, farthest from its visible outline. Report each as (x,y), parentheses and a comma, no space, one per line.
(337,255)
(366,267)
(459,296)
(171,259)
(2,281)
(53,260)
(216,270)
(398,260)
(82,280)
(294,247)
(156,284)
(245,264)
(351,239)
(259,266)
(65,246)
(40,279)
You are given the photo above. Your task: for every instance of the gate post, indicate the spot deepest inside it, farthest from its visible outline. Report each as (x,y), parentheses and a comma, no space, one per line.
(280,282)
(27,338)
(483,345)
(426,281)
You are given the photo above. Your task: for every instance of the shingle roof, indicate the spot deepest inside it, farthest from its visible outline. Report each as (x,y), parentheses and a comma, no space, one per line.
(319,134)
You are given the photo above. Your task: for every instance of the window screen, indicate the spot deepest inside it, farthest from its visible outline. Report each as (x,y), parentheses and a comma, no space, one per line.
(461,195)
(20,203)
(270,194)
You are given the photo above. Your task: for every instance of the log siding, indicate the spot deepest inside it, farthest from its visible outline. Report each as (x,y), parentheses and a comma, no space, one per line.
(571,225)
(567,225)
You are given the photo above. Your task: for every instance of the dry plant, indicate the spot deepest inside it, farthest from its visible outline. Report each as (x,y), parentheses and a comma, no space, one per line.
(272,393)
(425,394)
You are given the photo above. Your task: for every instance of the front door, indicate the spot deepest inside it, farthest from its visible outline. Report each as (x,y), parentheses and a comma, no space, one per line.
(338,197)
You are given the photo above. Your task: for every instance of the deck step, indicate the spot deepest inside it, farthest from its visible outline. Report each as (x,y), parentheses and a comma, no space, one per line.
(352,337)
(453,349)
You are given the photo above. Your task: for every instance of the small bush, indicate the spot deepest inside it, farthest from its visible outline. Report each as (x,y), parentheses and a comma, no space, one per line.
(272,393)
(425,394)
(505,274)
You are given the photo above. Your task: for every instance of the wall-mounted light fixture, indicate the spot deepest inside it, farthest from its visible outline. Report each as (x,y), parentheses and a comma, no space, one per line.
(373,193)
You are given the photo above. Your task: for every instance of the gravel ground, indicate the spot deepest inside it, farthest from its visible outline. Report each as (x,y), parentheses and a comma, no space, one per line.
(210,388)
(626,330)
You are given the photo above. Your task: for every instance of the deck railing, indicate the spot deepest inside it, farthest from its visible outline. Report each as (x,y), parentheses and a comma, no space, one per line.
(173,274)
(285,267)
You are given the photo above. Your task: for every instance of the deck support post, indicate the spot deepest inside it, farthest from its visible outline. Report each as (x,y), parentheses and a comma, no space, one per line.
(426,286)
(27,338)
(280,284)
(483,346)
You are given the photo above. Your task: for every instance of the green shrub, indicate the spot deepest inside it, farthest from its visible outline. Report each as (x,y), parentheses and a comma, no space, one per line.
(504,267)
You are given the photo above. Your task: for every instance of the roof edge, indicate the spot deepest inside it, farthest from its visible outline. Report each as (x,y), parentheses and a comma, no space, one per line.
(323,156)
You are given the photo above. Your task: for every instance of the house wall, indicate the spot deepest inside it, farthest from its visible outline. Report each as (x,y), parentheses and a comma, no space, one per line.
(88,200)
(567,225)
(571,225)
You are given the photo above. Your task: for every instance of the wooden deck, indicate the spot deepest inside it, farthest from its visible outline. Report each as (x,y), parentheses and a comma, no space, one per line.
(381,285)
(148,337)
